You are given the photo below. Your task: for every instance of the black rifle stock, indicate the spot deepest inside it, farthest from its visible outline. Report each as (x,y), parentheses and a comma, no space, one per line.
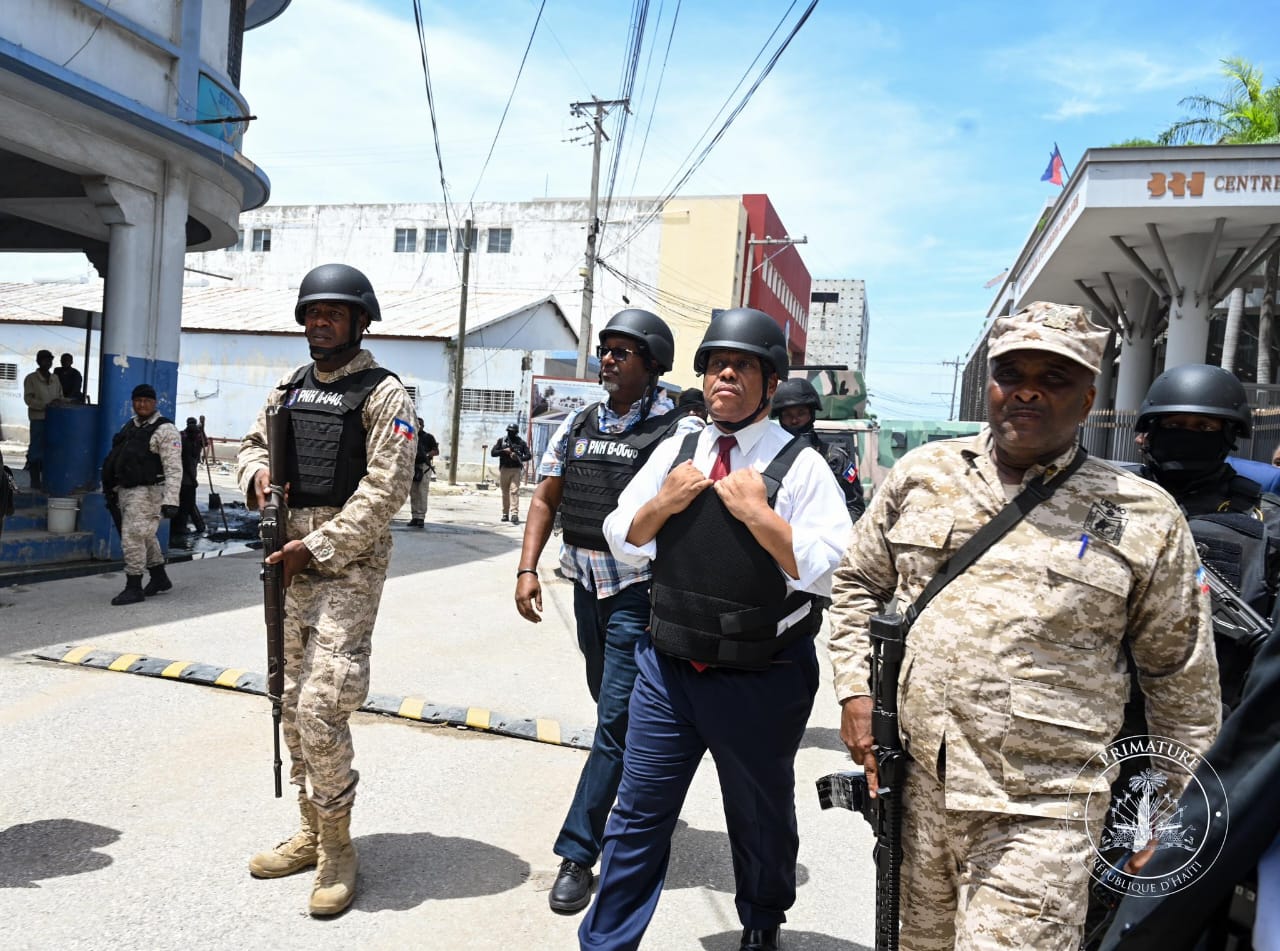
(273,531)
(848,790)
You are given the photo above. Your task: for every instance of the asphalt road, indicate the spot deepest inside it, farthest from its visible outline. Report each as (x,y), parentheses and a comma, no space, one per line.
(129,805)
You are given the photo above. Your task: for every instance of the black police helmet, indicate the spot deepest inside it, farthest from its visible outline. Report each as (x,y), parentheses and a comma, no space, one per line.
(748,330)
(1197,388)
(647,329)
(337,282)
(795,392)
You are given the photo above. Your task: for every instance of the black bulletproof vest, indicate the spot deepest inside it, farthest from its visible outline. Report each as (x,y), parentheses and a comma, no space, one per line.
(598,468)
(717,593)
(131,461)
(326,458)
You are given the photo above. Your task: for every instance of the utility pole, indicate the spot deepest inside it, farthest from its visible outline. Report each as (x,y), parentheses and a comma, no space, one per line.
(955,364)
(600,108)
(459,357)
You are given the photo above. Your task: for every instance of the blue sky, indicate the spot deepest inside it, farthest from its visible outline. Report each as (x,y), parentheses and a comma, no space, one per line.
(906,144)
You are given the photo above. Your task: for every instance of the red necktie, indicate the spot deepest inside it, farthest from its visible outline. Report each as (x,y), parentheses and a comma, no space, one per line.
(721,467)
(718,471)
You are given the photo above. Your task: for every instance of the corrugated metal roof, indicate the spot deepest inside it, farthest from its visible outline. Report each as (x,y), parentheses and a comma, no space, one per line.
(427,314)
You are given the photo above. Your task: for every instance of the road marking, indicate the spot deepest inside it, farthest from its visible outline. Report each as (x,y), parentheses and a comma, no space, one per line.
(413,708)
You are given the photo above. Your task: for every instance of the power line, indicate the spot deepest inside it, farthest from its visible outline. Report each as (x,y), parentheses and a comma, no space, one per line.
(639,16)
(653,106)
(737,110)
(435,127)
(519,72)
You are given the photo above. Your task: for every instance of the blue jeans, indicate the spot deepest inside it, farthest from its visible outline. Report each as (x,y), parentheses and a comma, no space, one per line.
(608,629)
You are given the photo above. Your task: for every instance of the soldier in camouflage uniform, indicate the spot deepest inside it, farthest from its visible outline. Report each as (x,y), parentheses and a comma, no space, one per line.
(143,474)
(343,407)
(1014,675)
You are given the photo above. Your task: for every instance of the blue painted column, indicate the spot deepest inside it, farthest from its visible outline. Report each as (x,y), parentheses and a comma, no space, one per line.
(142,305)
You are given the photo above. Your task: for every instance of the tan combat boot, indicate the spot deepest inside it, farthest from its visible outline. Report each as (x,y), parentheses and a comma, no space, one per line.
(336,874)
(292,855)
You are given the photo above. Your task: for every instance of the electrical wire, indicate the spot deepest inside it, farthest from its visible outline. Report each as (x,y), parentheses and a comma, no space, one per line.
(639,17)
(507,107)
(737,110)
(653,106)
(435,127)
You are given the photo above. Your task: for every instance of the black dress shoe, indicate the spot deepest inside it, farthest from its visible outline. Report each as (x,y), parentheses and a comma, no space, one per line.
(759,939)
(572,889)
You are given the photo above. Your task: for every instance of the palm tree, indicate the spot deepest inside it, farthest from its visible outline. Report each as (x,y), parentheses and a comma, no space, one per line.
(1247,112)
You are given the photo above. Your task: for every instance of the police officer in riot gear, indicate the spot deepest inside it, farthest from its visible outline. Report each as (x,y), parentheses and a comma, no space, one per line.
(589,460)
(1188,423)
(795,406)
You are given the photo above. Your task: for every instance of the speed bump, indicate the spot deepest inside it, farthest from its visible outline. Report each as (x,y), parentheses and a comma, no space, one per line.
(415,709)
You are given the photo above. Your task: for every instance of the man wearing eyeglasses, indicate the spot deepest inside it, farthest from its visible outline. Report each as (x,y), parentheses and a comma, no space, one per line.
(588,462)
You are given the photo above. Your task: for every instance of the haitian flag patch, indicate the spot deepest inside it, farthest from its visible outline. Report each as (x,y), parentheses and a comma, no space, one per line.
(402,428)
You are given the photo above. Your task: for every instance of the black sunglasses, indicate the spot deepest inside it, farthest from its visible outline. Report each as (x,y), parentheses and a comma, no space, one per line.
(619,354)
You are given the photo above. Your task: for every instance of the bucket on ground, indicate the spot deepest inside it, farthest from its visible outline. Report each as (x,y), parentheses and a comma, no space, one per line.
(62,516)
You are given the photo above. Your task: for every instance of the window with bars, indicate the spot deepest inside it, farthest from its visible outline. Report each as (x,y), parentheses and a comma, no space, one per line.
(406,240)
(413,394)
(460,240)
(499,241)
(436,240)
(262,239)
(8,373)
(488,401)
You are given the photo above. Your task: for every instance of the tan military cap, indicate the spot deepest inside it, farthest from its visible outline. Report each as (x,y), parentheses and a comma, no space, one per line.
(1064,329)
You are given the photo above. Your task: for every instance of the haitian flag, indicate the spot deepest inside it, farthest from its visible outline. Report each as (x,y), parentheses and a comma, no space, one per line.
(1057,170)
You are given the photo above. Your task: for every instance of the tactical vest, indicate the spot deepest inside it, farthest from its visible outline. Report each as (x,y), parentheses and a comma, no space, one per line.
(326,452)
(717,593)
(598,468)
(1236,546)
(843,468)
(131,462)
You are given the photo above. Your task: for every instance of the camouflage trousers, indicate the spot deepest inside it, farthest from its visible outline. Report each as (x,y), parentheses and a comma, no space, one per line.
(327,636)
(985,880)
(139,520)
(418,494)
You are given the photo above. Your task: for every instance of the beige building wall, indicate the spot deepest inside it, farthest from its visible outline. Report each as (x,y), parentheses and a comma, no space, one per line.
(699,269)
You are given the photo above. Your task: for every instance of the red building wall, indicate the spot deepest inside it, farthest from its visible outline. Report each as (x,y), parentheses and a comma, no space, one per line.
(776,278)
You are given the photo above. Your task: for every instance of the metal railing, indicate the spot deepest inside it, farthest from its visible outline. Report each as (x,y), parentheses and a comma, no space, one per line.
(1108,434)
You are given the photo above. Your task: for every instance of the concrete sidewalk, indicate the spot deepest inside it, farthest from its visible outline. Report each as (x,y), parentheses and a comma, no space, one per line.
(131,803)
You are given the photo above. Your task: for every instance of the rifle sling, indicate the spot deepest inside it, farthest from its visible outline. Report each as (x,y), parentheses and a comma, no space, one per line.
(1037,491)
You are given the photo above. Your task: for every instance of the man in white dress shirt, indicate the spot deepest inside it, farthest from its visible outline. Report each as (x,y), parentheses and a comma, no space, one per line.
(744,527)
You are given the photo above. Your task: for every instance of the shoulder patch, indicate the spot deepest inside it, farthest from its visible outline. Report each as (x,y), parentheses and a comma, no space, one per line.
(1106,521)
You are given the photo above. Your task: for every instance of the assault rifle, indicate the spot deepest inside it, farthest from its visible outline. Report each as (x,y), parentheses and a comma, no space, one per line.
(848,790)
(1233,617)
(273,530)
(1239,631)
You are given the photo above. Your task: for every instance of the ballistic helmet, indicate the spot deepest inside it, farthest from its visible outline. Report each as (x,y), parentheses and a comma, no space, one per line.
(337,282)
(795,392)
(748,330)
(1201,389)
(647,329)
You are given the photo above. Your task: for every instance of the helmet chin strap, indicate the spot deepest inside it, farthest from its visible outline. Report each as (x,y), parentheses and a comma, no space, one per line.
(353,341)
(749,419)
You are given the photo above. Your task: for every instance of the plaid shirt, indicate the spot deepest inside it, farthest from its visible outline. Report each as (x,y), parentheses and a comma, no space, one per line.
(597,570)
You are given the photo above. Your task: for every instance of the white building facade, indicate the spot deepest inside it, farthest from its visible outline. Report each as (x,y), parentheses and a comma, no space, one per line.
(839,323)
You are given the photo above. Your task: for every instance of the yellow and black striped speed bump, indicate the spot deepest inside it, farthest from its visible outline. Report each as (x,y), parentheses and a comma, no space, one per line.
(247,681)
